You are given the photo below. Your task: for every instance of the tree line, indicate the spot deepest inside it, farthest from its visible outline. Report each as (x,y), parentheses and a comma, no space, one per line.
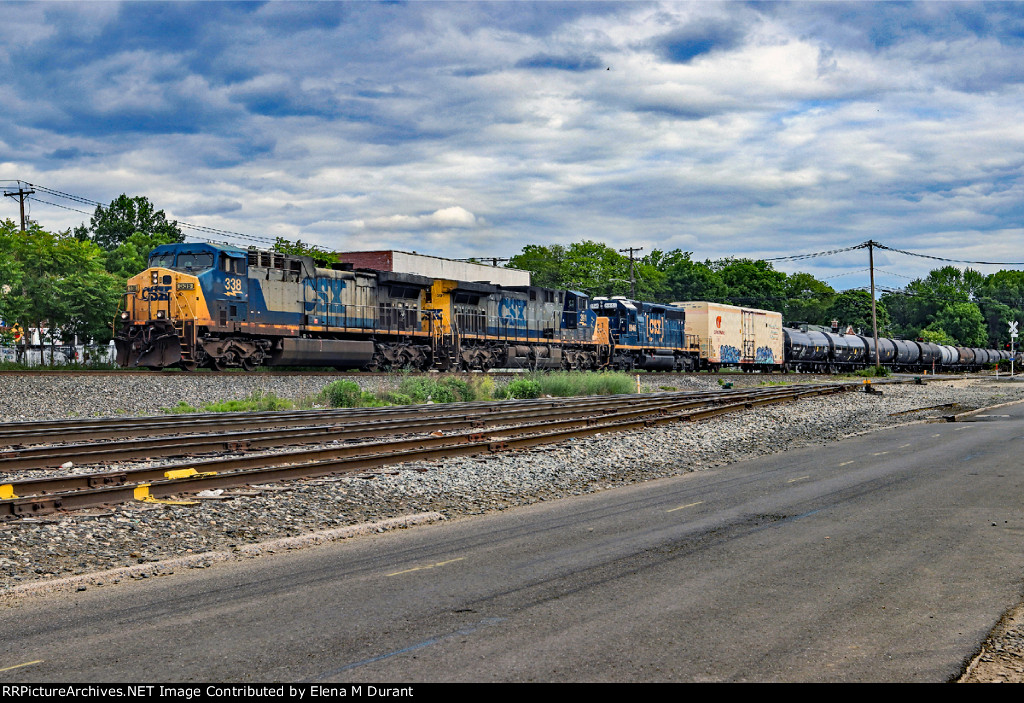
(72,281)
(948,306)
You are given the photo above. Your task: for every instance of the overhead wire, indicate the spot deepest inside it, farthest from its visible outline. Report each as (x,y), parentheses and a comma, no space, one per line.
(255,237)
(797,257)
(181,223)
(955,261)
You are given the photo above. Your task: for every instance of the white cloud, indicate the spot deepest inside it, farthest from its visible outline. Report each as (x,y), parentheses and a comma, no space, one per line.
(412,126)
(454,217)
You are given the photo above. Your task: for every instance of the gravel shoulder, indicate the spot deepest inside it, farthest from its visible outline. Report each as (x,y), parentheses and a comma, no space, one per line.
(137,541)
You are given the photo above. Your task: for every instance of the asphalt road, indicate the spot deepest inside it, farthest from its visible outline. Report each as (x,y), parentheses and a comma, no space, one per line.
(887,557)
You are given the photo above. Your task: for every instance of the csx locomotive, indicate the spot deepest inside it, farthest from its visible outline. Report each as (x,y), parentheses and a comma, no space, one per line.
(222,306)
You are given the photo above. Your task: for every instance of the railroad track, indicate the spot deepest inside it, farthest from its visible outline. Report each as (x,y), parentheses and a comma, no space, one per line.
(20,437)
(417,434)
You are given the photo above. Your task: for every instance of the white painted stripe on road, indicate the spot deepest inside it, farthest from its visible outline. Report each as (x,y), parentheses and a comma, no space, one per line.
(428,566)
(689,505)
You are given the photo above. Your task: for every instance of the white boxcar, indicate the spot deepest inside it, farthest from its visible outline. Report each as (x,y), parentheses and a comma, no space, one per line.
(734,336)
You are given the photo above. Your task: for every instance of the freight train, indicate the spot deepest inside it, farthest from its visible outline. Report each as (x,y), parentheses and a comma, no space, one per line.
(202,304)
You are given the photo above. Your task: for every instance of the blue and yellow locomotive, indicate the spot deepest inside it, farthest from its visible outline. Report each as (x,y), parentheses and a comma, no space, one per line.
(222,306)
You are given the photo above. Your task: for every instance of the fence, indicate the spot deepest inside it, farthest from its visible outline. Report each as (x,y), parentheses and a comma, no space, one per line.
(59,354)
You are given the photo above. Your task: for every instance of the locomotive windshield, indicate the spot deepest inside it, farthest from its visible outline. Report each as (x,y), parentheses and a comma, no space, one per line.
(162,260)
(187,261)
(194,262)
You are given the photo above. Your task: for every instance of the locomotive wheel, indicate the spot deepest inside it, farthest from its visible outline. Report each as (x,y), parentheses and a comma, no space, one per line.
(189,366)
(405,360)
(248,364)
(217,364)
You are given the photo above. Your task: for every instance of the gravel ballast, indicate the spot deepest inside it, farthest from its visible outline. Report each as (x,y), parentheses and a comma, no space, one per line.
(141,539)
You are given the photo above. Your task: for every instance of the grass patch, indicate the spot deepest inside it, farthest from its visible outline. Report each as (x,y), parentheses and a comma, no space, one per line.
(431,388)
(873,372)
(445,389)
(570,384)
(519,389)
(256,402)
(347,394)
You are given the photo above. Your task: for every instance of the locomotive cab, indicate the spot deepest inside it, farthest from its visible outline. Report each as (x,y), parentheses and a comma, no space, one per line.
(185,288)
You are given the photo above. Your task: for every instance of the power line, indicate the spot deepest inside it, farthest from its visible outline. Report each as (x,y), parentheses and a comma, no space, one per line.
(796,257)
(955,261)
(188,225)
(256,238)
(848,273)
(63,207)
(900,275)
(67,196)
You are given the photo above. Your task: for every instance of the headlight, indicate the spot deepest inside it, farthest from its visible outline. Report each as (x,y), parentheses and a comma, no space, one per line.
(155,277)
(160,315)
(124,315)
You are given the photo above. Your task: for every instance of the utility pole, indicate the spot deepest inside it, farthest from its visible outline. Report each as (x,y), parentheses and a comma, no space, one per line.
(20,194)
(874,318)
(632,278)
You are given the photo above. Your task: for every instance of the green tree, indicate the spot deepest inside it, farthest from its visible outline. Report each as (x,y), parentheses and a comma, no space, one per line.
(596,268)
(63,285)
(686,280)
(920,304)
(545,264)
(853,307)
(964,323)
(997,317)
(807,299)
(113,225)
(12,302)
(132,255)
(909,313)
(299,248)
(934,334)
(1006,287)
(751,283)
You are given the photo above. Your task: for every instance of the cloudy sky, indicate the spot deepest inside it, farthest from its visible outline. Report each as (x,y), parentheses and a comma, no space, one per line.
(472,129)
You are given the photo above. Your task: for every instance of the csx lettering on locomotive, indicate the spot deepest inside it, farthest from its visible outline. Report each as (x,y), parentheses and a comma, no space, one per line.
(249,308)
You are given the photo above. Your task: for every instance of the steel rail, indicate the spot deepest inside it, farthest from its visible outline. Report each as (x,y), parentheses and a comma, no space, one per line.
(17,435)
(49,456)
(149,425)
(164,481)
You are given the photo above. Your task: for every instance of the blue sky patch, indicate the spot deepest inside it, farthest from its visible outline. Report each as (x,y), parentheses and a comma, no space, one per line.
(475,128)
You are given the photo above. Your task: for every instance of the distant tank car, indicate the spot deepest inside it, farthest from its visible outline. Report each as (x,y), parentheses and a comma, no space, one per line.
(221,306)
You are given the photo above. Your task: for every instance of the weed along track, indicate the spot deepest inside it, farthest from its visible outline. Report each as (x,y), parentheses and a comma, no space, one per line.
(416,434)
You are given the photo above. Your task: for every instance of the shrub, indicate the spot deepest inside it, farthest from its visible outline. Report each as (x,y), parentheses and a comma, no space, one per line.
(523,388)
(873,372)
(342,394)
(395,398)
(182,408)
(417,387)
(447,389)
(482,387)
(258,401)
(459,388)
